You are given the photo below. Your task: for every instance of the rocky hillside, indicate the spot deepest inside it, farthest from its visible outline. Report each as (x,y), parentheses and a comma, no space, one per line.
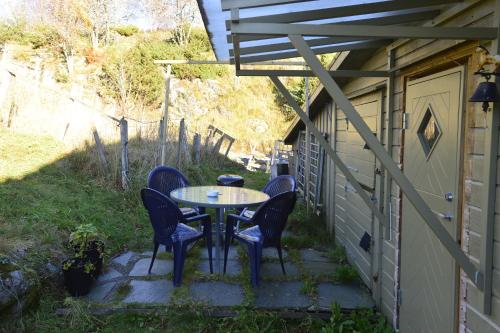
(45,94)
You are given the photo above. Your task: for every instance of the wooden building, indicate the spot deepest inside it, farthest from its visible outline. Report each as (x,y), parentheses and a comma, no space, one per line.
(446,146)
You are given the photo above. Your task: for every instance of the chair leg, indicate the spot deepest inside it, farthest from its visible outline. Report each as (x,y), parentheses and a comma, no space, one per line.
(179,258)
(155,250)
(252,256)
(227,242)
(258,257)
(207,229)
(280,254)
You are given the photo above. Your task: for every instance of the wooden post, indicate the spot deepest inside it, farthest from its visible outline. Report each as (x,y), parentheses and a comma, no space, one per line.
(124,155)
(100,151)
(197,148)
(161,139)
(231,141)
(180,144)
(218,145)
(165,117)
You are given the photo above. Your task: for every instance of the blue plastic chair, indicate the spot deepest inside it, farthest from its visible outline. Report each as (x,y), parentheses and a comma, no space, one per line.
(170,229)
(269,222)
(165,179)
(277,185)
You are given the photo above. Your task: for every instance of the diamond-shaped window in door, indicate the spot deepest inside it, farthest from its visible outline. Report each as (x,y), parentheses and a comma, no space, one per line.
(428,132)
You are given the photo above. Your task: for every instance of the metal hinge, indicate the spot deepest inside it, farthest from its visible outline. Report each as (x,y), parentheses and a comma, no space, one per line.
(406,121)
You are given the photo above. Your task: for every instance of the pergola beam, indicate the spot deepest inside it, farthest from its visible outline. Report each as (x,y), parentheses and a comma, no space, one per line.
(396,18)
(371,44)
(363,31)
(230,4)
(328,149)
(388,20)
(393,18)
(397,175)
(303,73)
(346,11)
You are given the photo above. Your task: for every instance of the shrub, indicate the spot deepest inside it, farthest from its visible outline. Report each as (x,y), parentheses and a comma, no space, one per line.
(345,274)
(126,30)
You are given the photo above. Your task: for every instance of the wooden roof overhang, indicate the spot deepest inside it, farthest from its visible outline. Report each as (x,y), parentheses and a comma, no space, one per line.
(250,31)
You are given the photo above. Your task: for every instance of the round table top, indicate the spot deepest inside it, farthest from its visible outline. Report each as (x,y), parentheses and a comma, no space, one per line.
(229,197)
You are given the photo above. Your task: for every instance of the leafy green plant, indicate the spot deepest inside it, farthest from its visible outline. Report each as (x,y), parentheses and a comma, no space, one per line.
(82,238)
(345,274)
(338,322)
(126,30)
(338,255)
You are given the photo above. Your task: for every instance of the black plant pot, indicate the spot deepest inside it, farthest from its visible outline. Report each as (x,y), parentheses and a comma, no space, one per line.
(94,255)
(77,281)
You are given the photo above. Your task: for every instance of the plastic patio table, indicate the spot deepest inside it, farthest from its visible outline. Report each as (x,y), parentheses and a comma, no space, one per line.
(229,197)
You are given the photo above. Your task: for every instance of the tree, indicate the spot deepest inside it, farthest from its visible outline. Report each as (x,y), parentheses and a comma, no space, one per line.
(178,15)
(97,17)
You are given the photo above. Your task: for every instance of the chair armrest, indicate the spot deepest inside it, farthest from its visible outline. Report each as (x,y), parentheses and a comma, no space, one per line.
(239,217)
(198,218)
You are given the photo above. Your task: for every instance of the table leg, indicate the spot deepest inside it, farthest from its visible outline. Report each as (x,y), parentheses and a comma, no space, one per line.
(218,221)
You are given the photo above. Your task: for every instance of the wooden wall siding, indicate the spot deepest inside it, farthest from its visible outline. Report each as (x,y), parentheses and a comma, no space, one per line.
(353,217)
(417,58)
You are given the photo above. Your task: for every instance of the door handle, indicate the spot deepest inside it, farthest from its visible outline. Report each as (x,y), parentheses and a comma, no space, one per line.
(445,216)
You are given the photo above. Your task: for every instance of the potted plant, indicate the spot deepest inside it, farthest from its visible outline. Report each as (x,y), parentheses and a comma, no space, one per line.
(87,245)
(86,264)
(78,276)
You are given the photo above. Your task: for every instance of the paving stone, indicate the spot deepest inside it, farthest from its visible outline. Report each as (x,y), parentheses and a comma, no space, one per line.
(160,267)
(272,253)
(313,255)
(109,274)
(272,295)
(232,254)
(217,293)
(233,267)
(147,253)
(317,268)
(150,292)
(123,258)
(99,292)
(273,270)
(347,296)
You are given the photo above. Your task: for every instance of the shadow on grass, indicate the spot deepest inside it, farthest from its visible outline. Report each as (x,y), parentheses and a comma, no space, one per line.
(58,190)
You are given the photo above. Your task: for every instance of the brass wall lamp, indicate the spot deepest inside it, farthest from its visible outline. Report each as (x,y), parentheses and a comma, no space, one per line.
(486,92)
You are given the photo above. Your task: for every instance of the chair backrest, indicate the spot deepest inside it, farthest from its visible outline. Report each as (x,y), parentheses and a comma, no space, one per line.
(163,214)
(280,184)
(165,179)
(272,216)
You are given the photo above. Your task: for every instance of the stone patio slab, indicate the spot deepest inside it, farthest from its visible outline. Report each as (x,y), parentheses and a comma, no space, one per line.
(272,253)
(99,292)
(273,270)
(317,268)
(217,293)
(108,275)
(150,292)
(123,258)
(347,296)
(233,267)
(285,295)
(313,255)
(160,267)
(231,255)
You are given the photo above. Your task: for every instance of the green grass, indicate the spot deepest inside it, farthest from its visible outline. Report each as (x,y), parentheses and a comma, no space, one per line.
(50,191)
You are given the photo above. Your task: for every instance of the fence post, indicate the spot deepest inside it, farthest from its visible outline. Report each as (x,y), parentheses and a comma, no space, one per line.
(124,155)
(197,148)
(161,139)
(100,151)
(180,144)
(165,117)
